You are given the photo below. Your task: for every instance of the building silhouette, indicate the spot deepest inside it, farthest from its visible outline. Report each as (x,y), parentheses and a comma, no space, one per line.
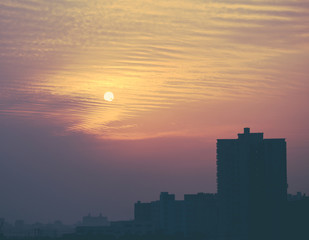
(95,220)
(251,203)
(296,219)
(251,185)
(201,213)
(195,215)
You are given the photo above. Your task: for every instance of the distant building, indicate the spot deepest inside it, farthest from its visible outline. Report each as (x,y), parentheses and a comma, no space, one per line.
(21,230)
(131,227)
(95,221)
(252,186)
(94,225)
(298,196)
(296,219)
(143,212)
(196,214)
(2,221)
(201,214)
(171,214)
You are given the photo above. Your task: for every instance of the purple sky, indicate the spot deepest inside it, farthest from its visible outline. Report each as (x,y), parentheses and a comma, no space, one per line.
(183,73)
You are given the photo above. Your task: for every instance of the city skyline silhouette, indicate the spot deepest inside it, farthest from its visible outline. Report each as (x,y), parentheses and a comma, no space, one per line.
(252,202)
(106,103)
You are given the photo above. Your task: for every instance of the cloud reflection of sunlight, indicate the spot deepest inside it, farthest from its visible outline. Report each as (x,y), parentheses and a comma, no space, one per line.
(153,55)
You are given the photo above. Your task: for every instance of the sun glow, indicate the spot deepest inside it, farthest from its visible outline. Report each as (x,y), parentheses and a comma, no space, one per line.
(151,58)
(109,96)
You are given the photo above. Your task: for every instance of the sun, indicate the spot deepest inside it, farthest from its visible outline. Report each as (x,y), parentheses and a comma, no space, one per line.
(108,96)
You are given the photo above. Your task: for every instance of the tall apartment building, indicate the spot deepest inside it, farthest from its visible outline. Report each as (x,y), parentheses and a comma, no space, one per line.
(251,185)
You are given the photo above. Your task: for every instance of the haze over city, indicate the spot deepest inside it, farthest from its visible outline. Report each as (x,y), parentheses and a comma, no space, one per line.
(182,73)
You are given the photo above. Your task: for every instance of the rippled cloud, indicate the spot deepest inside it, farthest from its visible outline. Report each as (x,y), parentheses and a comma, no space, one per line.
(57,58)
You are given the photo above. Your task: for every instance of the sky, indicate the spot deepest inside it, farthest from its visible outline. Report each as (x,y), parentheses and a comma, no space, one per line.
(183,73)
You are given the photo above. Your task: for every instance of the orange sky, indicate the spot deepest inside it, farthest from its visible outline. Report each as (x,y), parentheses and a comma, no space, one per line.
(155,56)
(179,69)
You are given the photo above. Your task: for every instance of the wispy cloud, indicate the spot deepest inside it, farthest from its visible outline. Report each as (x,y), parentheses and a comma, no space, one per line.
(57,58)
